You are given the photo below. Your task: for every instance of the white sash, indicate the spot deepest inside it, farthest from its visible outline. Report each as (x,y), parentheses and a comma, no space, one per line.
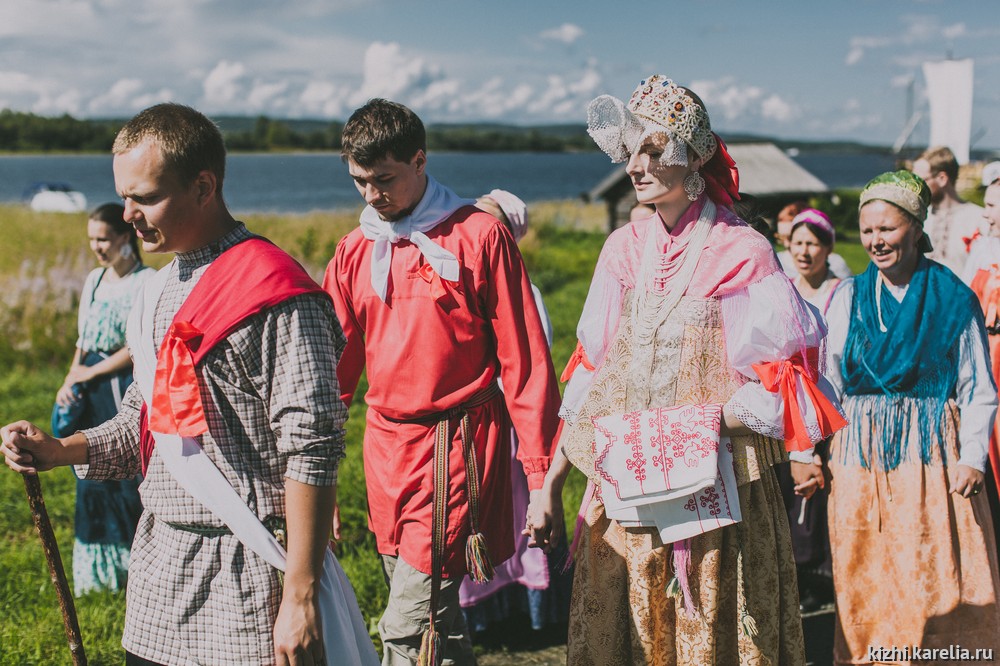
(345,635)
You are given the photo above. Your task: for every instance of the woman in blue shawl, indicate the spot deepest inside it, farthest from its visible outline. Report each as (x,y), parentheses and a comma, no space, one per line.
(907,354)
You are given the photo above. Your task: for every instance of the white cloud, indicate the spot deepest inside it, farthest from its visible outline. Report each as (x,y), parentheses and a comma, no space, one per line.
(127,94)
(223,84)
(322,98)
(266,95)
(726,98)
(567,33)
(854,56)
(53,103)
(566,96)
(917,29)
(777,109)
(391,74)
(954,31)
(18,83)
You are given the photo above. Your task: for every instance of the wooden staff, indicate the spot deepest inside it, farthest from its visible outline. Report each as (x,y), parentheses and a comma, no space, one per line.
(33,487)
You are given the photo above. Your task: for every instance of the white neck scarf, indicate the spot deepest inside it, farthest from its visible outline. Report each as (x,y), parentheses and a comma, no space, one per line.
(436,206)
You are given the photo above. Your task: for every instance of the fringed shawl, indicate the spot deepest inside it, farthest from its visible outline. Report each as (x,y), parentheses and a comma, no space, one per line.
(916,357)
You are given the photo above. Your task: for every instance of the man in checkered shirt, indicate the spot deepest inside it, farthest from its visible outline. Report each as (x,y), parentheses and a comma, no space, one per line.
(275,429)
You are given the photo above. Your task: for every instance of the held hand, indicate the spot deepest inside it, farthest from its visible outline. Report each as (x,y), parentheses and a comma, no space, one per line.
(808,478)
(544,520)
(27,449)
(966,481)
(65,396)
(297,638)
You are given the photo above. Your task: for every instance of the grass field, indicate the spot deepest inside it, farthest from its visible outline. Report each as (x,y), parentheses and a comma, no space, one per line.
(38,300)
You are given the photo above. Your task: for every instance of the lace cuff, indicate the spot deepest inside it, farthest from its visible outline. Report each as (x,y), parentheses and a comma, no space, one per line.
(763,412)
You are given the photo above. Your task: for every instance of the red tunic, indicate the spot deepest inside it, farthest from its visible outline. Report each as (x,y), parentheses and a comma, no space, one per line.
(428,349)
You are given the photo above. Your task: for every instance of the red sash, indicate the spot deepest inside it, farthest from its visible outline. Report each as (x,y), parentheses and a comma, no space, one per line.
(246,279)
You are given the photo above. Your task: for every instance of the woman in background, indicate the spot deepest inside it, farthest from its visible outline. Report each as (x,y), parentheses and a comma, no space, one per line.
(910,530)
(982,274)
(811,241)
(532,581)
(106,511)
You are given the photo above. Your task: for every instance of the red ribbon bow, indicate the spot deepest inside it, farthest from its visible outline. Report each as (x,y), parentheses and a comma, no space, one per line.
(780,377)
(969,240)
(177,406)
(579,357)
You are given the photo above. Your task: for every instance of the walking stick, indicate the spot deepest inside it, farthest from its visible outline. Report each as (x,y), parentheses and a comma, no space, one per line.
(33,486)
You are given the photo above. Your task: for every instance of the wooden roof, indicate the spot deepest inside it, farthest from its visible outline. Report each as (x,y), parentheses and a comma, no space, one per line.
(765,171)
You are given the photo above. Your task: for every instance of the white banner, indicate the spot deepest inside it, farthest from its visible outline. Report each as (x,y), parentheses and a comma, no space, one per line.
(949,93)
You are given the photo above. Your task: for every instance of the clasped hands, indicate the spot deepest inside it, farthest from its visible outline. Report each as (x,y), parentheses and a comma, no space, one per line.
(808,477)
(544,522)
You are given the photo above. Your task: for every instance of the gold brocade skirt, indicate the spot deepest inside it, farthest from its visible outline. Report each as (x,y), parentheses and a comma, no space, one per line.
(913,563)
(621,614)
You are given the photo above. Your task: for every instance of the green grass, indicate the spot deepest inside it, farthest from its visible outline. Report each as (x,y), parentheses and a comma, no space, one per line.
(37,324)
(38,300)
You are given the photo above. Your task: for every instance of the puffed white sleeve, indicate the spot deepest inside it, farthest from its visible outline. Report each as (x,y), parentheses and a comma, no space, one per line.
(838,319)
(774,340)
(597,328)
(976,396)
(598,322)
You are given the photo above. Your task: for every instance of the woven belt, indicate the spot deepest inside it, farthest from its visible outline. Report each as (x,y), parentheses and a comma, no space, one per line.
(274,524)
(476,554)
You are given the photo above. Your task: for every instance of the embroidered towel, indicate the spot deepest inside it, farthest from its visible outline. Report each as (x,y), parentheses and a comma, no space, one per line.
(667,468)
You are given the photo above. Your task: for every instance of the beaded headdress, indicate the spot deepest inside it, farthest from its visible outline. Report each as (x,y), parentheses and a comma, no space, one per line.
(658,106)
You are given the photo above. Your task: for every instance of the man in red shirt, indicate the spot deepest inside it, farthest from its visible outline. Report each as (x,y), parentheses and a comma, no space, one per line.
(435,301)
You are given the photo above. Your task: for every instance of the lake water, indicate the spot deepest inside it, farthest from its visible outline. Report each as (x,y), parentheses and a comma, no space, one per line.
(318,181)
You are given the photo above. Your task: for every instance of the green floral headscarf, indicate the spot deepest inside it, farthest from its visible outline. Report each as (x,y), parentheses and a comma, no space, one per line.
(906,191)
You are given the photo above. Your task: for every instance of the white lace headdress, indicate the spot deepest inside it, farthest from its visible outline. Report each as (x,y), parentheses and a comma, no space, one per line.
(658,106)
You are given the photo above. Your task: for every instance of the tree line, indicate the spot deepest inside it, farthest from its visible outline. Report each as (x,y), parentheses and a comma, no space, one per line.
(29,133)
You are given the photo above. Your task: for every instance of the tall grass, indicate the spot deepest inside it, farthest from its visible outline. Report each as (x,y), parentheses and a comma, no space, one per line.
(39,290)
(39,295)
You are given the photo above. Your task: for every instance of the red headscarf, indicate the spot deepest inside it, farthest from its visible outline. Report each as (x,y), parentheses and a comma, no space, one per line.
(722,178)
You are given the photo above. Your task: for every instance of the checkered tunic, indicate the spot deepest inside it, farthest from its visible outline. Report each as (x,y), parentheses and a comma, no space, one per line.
(273,409)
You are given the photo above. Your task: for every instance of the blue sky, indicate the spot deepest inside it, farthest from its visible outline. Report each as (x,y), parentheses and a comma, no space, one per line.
(804,69)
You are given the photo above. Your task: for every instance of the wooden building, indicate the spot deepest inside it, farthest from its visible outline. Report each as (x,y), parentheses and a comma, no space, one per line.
(766,172)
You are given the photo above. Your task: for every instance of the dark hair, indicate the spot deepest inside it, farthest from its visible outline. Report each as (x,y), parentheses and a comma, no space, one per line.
(113,214)
(189,142)
(381,129)
(822,235)
(748,208)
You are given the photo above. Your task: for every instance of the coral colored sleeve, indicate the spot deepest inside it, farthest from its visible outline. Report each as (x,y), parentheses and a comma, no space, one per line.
(529,381)
(336,282)
(976,396)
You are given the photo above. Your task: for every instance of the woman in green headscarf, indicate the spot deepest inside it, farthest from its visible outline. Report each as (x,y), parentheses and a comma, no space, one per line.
(908,356)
